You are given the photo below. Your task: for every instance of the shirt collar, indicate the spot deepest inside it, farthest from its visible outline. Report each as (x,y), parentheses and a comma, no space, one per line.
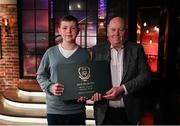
(122,47)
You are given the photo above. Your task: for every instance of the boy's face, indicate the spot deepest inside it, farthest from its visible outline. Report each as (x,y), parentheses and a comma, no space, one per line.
(69,31)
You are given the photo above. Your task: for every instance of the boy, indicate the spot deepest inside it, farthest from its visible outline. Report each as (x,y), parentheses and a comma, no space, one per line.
(62,112)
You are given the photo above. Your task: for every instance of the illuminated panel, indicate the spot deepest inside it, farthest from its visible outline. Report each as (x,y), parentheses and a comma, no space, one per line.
(150,44)
(102,8)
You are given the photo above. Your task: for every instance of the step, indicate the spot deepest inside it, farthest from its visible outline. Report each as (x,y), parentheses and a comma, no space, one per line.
(19,95)
(16,114)
(11,108)
(18,121)
(27,104)
(31,86)
(33,109)
(32,92)
(10,117)
(21,121)
(24,96)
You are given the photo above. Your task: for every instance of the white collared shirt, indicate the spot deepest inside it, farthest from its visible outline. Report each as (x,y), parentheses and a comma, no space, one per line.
(116,73)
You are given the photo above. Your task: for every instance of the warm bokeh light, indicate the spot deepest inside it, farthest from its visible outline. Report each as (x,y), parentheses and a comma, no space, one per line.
(156,28)
(147,31)
(150,41)
(101,24)
(6,21)
(78,6)
(138,31)
(138,26)
(145,24)
(70,8)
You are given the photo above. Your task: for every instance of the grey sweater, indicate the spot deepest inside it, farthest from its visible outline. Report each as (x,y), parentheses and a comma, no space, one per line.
(47,75)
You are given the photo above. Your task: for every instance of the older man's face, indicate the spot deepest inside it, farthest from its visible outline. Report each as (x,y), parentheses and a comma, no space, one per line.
(116,31)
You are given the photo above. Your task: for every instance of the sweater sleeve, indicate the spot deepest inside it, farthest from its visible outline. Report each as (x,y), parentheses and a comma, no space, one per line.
(43,74)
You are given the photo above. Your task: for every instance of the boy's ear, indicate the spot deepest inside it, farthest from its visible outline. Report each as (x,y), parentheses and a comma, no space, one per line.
(59,30)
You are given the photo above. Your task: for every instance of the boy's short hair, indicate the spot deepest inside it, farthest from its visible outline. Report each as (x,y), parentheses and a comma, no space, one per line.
(69,18)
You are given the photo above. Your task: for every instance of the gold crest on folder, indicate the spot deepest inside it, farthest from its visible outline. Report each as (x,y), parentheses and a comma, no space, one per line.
(84,73)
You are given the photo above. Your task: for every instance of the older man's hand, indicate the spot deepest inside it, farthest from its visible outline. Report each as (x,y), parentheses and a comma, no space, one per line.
(114,93)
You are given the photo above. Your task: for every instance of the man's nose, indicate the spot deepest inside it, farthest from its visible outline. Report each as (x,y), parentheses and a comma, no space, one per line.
(116,32)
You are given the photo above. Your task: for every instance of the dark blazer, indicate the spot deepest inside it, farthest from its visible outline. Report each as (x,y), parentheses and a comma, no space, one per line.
(136,76)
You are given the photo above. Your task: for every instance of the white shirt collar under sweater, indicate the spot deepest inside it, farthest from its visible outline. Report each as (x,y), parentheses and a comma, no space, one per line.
(66,53)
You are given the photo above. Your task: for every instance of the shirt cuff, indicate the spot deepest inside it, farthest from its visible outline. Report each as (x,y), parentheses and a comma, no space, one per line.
(125,90)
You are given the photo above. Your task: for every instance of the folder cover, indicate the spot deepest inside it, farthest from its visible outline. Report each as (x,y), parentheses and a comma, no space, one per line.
(84,79)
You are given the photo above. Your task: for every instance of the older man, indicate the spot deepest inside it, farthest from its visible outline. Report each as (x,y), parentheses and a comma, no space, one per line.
(130,74)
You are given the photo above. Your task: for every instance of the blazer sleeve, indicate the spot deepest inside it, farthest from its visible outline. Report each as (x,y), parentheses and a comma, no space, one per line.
(141,76)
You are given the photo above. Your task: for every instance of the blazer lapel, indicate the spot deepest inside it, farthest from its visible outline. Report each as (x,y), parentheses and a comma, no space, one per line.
(126,60)
(108,53)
